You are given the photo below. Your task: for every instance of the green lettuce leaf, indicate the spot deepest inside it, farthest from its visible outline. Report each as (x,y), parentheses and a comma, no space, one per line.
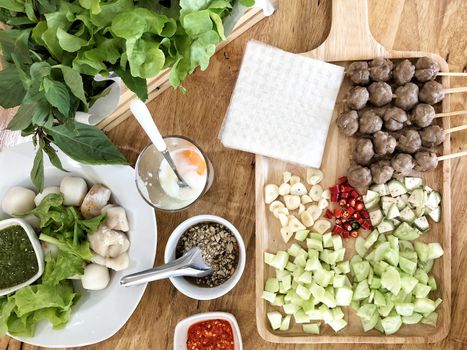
(61,266)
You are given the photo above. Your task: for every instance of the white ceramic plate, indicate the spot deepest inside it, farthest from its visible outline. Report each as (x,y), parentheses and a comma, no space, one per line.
(181,330)
(98,314)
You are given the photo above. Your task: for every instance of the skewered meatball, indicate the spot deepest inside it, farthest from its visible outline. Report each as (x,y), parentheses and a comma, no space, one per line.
(407,96)
(432,92)
(403,164)
(404,72)
(432,136)
(380,93)
(363,151)
(370,122)
(358,73)
(422,115)
(384,143)
(426,69)
(381,69)
(347,122)
(381,171)
(425,161)
(408,141)
(359,176)
(357,97)
(394,118)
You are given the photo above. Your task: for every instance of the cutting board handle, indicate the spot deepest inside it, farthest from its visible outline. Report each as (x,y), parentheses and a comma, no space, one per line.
(350,34)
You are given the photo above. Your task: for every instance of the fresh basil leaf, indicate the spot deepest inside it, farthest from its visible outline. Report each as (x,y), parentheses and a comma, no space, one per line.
(37,171)
(12,5)
(53,157)
(29,9)
(47,6)
(57,95)
(135,84)
(22,118)
(69,42)
(90,146)
(38,70)
(93,5)
(14,41)
(11,87)
(74,82)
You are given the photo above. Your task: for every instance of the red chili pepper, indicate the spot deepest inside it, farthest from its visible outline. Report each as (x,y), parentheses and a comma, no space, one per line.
(345,214)
(344,221)
(354,194)
(338,213)
(354,234)
(352,202)
(345,234)
(328,214)
(342,180)
(338,221)
(337,229)
(344,195)
(356,215)
(359,198)
(342,202)
(350,210)
(361,220)
(347,226)
(359,206)
(365,214)
(334,190)
(366,225)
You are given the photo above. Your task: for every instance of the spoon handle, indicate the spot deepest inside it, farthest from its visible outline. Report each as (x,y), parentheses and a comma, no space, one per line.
(144,118)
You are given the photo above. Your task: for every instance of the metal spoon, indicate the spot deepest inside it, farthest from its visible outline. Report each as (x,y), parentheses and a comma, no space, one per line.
(143,116)
(189,264)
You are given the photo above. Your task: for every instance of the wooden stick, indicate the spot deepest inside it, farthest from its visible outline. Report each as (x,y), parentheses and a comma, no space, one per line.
(455,90)
(454,155)
(452,74)
(456,128)
(450,114)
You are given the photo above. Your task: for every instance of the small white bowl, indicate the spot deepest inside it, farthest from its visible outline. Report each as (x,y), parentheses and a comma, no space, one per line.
(37,250)
(181,330)
(190,289)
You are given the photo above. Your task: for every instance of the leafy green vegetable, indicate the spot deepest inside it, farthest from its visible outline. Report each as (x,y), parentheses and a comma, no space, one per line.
(61,266)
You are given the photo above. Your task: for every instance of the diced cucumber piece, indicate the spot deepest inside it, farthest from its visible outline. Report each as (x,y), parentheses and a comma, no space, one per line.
(407,265)
(379,267)
(391,324)
(301,260)
(379,299)
(326,314)
(371,323)
(432,283)
(269,296)
(370,196)
(407,215)
(316,235)
(296,250)
(420,211)
(301,317)
(360,246)
(305,277)
(303,292)
(435,250)
(329,300)
(308,305)
(268,257)
(375,283)
(406,232)
(435,214)
(424,305)
(344,296)
(371,239)
(386,310)
(313,264)
(412,319)
(438,302)
(396,188)
(426,266)
(422,251)
(385,226)
(290,266)
(285,284)
(393,212)
(301,235)
(361,270)
(376,216)
(401,203)
(392,257)
(337,313)
(281,274)
(412,183)
(291,309)
(408,283)
(272,285)
(344,267)
(280,260)
(422,290)
(285,324)
(409,255)
(417,198)
(337,242)
(337,325)
(327,240)
(366,311)
(322,277)
(422,276)
(275,319)
(311,328)
(422,223)
(315,315)
(381,250)
(312,243)
(361,291)
(431,319)
(387,202)
(391,280)
(338,281)
(278,301)
(372,205)
(433,201)
(381,189)
(404,309)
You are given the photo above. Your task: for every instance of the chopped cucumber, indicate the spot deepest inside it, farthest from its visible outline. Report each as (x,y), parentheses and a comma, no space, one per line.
(407,215)
(435,214)
(435,250)
(301,235)
(412,319)
(381,189)
(404,309)
(311,328)
(390,279)
(412,183)
(370,196)
(385,226)
(393,212)
(422,223)
(312,243)
(391,324)
(280,260)
(337,325)
(417,198)
(296,250)
(371,239)
(360,246)
(272,285)
(431,319)
(269,296)
(396,188)
(268,257)
(366,311)
(376,216)
(424,305)
(406,232)
(285,324)
(275,319)
(362,291)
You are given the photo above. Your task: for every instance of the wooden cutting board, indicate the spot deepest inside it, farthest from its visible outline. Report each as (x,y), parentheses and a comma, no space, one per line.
(350,40)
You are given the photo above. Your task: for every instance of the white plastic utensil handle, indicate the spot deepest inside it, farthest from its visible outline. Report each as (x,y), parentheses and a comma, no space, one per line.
(144,118)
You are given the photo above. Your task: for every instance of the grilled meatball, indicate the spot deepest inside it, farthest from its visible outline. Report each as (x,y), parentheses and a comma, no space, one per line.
(403,164)
(432,92)
(432,136)
(384,143)
(380,93)
(381,171)
(381,69)
(403,73)
(358,73)
(426,69)
(370,122)
(357,97)
(359,176)
(363,151)
(408,141)
(406,96)
(425,161)
(422,115)
(394,118)
(347,122)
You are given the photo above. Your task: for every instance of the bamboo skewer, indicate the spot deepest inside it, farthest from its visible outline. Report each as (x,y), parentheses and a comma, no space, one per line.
(456,128)
(450,114)
(453,155)
(455,90)
(452,74)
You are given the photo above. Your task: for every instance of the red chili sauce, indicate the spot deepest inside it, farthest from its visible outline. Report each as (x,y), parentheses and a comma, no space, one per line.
(210,335)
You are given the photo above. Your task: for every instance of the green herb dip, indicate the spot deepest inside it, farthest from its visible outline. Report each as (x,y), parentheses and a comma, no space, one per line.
(18,261)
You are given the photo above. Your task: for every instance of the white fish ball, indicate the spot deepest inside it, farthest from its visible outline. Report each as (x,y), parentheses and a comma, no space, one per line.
(74,190)
(116,218)
(45,193)
(119,263)
(96,277)
(18,200)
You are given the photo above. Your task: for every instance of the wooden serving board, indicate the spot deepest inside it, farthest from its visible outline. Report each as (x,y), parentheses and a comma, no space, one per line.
(349,40)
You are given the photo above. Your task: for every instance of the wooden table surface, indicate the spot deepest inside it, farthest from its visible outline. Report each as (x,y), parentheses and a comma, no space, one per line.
(438,26)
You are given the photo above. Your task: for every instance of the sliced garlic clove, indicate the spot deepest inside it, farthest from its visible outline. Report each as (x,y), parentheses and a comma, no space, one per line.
(284,189)
(286,175)
(306,199)
(301,209)
(314,176)
(323,203)
(307,219)
(294,180)
(286,234)
(279,211)
(315,212)
(316,192)
(284,219)
(271,192)
(292,202)
(322,226)
(275,205)
(295,224)
(298,189)
(326,194)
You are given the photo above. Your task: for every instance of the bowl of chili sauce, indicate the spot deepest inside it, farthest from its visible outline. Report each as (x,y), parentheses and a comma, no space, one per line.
(208,331)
